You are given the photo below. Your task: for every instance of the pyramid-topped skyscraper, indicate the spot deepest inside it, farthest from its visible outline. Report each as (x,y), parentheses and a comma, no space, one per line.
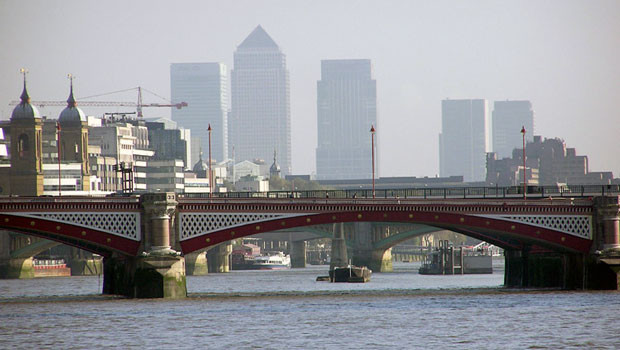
(260,118)
(258,39)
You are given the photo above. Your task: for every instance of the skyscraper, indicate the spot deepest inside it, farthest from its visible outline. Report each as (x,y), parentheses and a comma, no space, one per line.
(260,118)
(464,139)
(204,86)
(508,118)
(346,109)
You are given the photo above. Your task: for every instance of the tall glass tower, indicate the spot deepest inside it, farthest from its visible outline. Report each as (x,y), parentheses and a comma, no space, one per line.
(464,139)
(260,118)
(508,118)
(346,109)
(204,86)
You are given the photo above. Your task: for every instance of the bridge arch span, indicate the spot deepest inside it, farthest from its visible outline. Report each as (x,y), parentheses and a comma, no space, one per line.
(84,237)
(33,249)
(509,233)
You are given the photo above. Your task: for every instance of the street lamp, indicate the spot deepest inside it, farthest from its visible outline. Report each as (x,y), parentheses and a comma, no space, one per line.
(210,182)
(58,144)
(524,174)
(372,137)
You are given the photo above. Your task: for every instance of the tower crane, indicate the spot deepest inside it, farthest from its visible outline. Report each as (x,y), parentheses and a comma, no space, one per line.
(137,105)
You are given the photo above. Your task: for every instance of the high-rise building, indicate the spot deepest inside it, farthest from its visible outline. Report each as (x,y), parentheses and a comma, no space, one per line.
(260,118)
(508,118)
(464,139)
(346,110)
(204,86)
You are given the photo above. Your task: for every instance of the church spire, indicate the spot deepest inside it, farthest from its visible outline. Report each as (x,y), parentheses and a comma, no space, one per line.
(274,170)
(71,101)
(24,97)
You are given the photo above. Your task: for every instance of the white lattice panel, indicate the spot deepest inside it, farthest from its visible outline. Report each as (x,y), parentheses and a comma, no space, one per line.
(117,223)
(196,224)
(576,225)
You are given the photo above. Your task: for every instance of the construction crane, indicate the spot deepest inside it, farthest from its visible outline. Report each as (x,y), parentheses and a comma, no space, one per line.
(137,105)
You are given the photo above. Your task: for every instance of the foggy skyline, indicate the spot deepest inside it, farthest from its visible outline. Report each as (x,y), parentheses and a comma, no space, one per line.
(560,55)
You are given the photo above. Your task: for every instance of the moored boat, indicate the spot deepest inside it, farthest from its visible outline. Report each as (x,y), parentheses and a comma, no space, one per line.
(351,274)
(51,268)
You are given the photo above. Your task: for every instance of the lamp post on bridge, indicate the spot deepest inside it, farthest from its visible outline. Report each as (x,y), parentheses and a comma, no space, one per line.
(372,137)
(524,172)
(210,182)
(58,144)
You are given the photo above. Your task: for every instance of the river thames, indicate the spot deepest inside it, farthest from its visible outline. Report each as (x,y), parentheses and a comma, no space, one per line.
(288,309)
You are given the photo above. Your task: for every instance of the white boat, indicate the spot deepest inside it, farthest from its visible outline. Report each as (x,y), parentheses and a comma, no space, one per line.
(271,261)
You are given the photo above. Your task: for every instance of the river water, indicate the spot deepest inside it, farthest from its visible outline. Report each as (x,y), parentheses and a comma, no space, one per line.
(288,309)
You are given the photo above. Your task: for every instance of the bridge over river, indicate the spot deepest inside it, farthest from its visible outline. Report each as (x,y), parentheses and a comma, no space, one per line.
(552,237)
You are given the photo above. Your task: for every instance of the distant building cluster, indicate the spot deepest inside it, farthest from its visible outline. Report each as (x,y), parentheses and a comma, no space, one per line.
(485,147)
(547,162)
(236,124)
(228,131)
(258,120)
(77,154)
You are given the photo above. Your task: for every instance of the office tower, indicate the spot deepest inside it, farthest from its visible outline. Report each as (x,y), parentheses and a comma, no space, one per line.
(464,139)
(508,118)
(204,86)
(260,118)
(346,110)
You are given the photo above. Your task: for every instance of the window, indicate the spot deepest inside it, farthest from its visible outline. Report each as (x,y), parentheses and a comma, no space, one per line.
(22,145)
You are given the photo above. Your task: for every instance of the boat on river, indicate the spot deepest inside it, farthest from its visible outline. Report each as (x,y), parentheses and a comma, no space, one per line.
(449,260)
(50,268)
(350,274)
(272,261)
(267,261)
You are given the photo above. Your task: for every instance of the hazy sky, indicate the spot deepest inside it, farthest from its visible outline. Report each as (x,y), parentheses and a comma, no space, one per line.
(564,56)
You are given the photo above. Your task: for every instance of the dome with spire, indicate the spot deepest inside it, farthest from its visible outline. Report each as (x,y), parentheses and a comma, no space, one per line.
(71,113)
(200,168)
(274,170)
(24,110)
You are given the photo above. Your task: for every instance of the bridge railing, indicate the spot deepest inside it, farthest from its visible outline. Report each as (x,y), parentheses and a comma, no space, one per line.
(571,191)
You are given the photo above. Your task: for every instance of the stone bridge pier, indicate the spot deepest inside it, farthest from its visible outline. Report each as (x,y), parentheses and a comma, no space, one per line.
(598,269)
(196,263)
(360,249)
(608,217)
(364,252)
(339,257)
(218,257)
(159,272)
(298,254)
(12,266)
(531,269)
